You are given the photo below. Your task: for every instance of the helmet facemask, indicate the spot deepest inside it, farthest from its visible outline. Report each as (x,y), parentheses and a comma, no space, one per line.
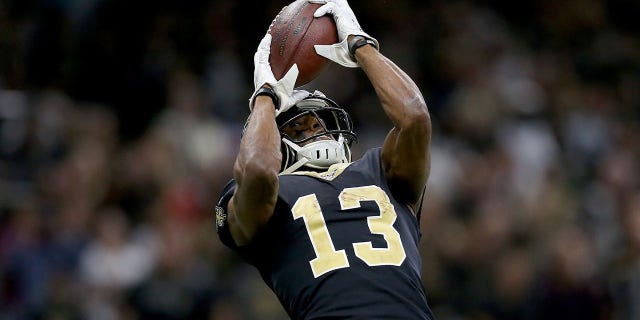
(321,153)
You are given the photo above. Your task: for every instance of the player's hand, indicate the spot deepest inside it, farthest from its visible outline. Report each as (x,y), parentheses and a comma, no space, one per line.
(346,24)
(295,97)
(262,74)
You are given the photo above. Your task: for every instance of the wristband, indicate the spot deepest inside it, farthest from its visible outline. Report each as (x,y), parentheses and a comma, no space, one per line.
(268,91)
(357,42)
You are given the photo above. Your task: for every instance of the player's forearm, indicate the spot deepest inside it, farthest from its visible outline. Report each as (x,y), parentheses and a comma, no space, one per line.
(259,159)
(400,97)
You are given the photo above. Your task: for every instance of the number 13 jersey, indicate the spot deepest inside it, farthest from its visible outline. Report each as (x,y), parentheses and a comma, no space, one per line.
(338,245)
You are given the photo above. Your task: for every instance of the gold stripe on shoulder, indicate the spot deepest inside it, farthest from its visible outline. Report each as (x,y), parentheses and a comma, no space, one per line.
(334,171)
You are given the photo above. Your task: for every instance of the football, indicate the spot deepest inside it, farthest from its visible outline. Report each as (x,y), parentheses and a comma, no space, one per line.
(294,31)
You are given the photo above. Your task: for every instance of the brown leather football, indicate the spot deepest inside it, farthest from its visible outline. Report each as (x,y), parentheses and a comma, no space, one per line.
(294,31)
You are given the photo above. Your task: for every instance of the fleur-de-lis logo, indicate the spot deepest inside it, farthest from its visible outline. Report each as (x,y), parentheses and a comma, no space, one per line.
(221,217)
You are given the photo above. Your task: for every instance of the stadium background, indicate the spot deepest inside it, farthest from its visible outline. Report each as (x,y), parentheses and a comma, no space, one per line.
(119,121)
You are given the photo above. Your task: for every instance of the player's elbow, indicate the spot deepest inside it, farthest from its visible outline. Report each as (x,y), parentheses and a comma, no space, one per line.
(416,117)
(258,173)
(257,193)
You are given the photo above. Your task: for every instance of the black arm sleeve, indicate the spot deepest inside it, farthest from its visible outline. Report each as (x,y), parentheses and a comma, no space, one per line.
(222,226)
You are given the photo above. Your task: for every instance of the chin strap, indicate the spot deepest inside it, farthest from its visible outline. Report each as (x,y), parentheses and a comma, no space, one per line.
(318,154)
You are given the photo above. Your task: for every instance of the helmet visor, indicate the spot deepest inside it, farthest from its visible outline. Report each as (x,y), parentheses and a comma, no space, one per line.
(334,121)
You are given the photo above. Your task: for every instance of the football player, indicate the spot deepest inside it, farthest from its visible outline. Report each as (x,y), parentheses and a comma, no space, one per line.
(332,237)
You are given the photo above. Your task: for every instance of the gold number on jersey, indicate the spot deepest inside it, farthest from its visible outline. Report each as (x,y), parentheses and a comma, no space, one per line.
(327,257)
(394,254)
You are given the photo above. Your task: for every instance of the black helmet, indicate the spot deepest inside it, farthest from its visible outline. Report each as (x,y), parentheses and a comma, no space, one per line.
(320,154)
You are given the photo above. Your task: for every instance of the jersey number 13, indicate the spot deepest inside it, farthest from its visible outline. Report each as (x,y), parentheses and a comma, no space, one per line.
(327,257)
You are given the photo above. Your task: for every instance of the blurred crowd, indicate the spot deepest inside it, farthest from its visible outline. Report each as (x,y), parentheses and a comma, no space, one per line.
(120,120)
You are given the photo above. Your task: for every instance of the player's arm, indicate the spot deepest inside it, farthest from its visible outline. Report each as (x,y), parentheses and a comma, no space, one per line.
(405,151)
(256,173)
(259,159)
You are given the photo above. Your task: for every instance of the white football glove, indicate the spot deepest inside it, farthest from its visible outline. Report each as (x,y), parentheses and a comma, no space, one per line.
(347,25)
(295,97)
(262,74)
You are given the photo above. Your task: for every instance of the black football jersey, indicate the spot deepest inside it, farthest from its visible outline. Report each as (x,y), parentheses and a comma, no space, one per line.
(338,245)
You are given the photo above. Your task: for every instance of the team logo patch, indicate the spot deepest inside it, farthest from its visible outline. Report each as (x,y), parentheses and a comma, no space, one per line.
(221,217)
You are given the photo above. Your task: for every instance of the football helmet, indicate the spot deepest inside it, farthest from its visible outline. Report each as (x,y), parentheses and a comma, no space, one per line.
(329,146)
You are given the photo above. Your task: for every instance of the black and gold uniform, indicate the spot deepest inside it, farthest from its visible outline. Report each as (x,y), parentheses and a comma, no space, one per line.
(338,245)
